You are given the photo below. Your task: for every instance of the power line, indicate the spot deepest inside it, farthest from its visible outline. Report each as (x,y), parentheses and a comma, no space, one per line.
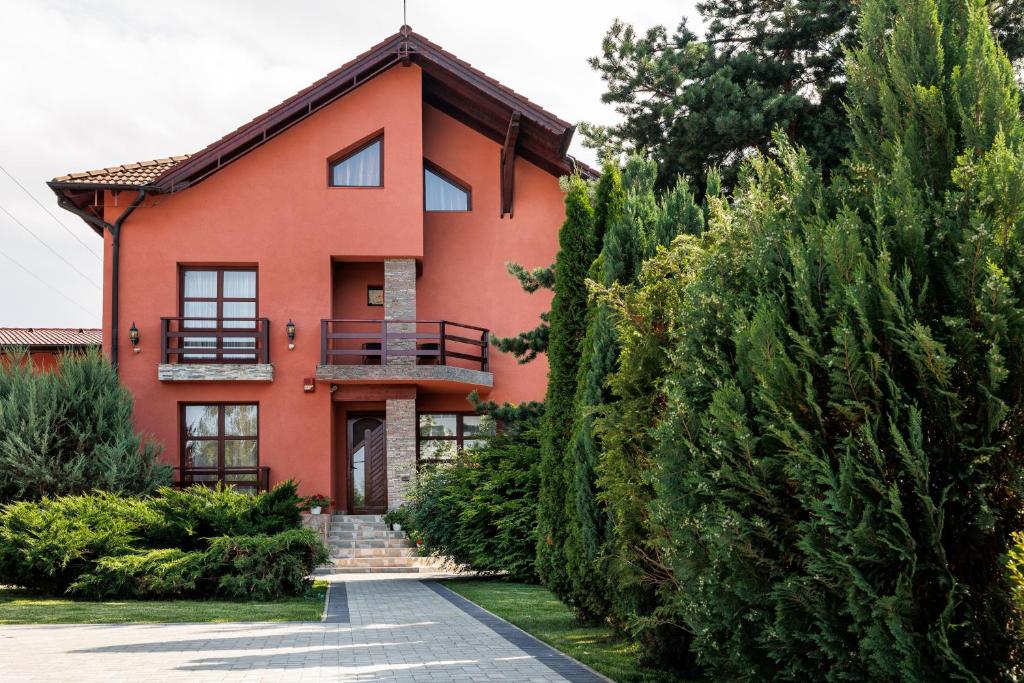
(39,279)
(51,249)
(43,207)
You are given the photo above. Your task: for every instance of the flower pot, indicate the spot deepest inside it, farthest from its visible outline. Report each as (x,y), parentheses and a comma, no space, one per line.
(315,510)
(396,527)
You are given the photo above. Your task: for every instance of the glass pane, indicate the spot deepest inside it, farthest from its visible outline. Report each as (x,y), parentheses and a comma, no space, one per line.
(191,343)
(241,453)
(201,284)
(200,309)
(438,450)
(240,309)
(240,284)
(240,420)
(478,424)
(358,476)
(201,453)
(201,421)
(442,195)
(361,169)
(470,444)
(437,425)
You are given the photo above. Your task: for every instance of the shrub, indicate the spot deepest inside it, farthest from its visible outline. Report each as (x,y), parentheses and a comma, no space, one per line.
(266,567)
(192,542)
(481,510)
(163,573)
(46,545)
(70,431)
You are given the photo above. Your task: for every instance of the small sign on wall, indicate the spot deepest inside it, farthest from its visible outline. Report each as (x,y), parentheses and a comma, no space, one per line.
(374,295)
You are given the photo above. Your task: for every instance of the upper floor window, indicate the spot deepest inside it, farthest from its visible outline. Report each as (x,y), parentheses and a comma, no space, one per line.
(361,167)
(441,192)
(222,300)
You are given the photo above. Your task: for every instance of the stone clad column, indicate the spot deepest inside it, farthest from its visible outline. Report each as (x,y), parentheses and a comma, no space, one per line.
(401,443)
(400,304)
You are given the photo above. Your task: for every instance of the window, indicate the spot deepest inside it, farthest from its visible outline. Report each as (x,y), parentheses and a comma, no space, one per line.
(222,300)
(218,438)
(441,192)
(361,168)
(443,435)
(374,295)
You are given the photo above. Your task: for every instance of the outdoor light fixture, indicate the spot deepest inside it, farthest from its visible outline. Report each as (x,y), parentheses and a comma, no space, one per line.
(290,331)
(133,337)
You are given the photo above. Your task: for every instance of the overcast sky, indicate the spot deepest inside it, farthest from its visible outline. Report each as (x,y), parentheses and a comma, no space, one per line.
(94,83)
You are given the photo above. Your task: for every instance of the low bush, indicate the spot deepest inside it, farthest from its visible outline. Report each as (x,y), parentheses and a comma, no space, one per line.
(266,567)
(196,542)
(480,511)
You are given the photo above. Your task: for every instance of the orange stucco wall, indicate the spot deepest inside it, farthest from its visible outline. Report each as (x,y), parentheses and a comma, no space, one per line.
(273,209)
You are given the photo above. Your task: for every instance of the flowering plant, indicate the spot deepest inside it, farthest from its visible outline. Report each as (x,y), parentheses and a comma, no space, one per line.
(317,501)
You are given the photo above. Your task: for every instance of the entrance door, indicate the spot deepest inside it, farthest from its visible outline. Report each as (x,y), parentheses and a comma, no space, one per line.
(368,465)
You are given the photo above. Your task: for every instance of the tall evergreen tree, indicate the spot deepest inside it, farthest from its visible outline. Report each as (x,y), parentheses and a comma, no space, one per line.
(836,466)
(694,102)
(568,327)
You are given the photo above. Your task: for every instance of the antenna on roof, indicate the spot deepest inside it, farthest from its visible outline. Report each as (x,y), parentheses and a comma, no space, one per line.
(405,21)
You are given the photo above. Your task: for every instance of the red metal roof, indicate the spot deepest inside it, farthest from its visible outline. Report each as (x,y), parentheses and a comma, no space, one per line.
(50,336)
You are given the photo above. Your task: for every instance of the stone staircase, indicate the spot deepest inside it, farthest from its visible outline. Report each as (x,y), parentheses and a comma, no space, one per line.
(365,544)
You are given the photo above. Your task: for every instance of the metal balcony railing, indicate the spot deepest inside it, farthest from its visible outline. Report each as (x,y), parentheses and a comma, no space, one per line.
(385,342)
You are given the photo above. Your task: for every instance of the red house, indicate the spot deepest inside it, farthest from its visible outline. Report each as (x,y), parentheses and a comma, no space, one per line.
(312,295)
(44,345)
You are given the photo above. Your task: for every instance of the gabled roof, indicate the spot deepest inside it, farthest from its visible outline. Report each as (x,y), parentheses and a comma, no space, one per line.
(50,337)
(450,84)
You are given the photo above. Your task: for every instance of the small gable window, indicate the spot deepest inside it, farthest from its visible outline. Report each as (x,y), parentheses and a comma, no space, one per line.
(361,168)
(443,193)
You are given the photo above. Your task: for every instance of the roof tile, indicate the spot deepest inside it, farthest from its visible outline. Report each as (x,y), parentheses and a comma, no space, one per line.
(50,336)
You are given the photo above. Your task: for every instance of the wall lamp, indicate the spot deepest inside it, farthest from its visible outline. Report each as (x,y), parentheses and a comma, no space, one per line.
(290,331)
(133,337)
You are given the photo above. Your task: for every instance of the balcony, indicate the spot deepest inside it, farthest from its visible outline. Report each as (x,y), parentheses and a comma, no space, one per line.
(250,479)
(215,349)
(414,351)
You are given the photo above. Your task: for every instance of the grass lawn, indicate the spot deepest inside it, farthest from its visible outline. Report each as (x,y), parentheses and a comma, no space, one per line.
(20,607)
(535,610)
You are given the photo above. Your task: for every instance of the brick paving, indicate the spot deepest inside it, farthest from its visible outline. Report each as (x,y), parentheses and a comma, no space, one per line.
(398,630)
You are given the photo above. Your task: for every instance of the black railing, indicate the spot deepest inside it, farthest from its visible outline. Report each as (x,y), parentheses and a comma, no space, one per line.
(380,342)
(256,478)
(214,340)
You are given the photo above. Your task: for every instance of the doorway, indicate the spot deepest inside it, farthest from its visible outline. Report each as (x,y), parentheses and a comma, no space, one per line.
(368,464)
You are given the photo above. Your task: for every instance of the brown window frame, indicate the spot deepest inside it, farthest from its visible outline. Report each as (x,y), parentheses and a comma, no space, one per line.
(459,438)
(220,300)
(352,150)
(429,165)
(221,437)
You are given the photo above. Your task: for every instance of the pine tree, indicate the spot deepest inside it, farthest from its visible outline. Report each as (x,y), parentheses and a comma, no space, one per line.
(836,467)
(568,326)
(695,102)
(70,431)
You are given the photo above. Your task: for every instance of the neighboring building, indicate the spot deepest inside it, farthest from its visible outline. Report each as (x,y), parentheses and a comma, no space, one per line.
(376,210)
(45,344)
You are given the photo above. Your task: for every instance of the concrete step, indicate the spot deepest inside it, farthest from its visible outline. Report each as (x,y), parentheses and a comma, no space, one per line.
(357,518)
(376,562)
(365,535)
(320,571)
(385,542)
(373,552)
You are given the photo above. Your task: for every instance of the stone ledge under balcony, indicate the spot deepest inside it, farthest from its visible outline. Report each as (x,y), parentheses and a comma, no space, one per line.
(402,372)
(215,372)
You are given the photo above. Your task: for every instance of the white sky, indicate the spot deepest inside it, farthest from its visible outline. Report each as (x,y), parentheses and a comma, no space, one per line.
(91,83)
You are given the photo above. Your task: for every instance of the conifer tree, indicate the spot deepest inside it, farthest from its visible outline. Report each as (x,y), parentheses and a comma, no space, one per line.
(568,327)
(837,464)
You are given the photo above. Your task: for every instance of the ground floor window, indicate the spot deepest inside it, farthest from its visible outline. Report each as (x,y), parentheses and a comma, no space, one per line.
(442,435)
(220,443)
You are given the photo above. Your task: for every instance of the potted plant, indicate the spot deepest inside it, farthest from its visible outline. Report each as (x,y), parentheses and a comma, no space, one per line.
(317,503)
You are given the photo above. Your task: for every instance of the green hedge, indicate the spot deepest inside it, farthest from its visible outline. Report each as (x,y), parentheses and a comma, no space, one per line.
(196,542)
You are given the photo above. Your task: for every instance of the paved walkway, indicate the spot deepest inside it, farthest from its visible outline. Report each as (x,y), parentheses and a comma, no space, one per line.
(396,630)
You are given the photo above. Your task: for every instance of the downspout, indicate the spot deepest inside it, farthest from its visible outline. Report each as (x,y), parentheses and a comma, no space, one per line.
(115,269)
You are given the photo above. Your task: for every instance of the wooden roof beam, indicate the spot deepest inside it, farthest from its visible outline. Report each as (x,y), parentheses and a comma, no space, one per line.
(508,164)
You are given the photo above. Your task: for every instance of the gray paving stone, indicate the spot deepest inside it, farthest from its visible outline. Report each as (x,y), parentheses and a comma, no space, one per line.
(397,630)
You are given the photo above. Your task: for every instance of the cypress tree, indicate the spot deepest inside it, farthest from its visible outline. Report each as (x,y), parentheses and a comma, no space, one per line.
(568,326)
(837,463)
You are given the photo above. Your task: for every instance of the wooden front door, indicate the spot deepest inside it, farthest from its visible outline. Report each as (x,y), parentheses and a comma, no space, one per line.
(368,465)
